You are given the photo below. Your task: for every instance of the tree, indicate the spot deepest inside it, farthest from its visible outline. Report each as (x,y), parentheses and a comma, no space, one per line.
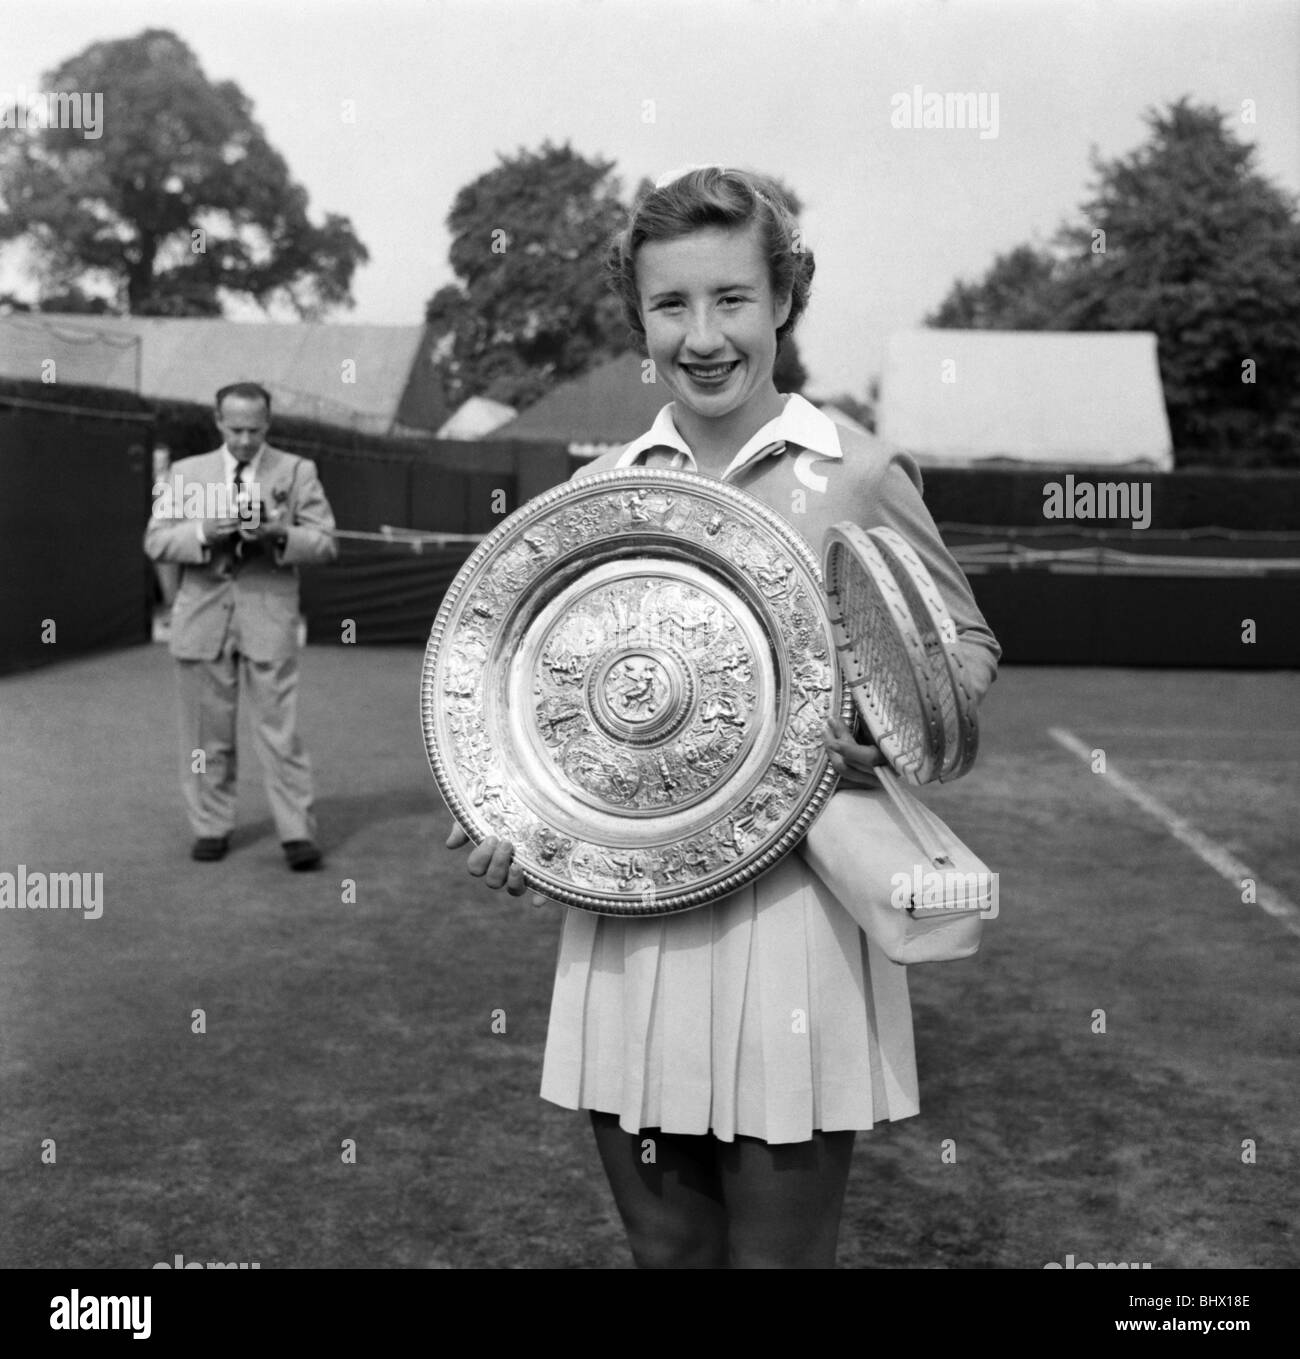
(1183,237)
(530,307)
(178,201)
(1017,293)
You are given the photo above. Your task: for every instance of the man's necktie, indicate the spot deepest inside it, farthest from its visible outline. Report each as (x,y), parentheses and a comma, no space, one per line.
(240,491)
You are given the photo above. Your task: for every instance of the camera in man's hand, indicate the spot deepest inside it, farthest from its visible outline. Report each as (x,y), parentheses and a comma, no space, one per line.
(218,531)
(271,531)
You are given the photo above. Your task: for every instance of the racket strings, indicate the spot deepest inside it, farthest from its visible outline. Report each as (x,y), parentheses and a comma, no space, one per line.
(886,671)
(941,684)
(926,604)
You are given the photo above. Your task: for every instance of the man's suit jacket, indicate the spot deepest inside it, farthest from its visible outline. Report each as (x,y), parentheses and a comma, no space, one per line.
(258,590)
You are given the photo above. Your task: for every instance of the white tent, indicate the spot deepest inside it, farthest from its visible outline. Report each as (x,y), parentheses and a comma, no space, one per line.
(1082,399)
(305,366)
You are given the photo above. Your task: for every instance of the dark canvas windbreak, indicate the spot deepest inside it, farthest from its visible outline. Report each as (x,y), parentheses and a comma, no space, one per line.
(1219,561)
(390,595)
(76,492)
(1246,500)
(1198,623)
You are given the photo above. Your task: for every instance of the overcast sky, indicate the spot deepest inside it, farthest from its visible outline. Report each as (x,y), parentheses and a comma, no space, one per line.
(800,88)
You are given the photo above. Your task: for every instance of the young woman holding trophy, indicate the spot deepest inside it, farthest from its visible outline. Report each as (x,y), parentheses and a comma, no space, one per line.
(746,1041)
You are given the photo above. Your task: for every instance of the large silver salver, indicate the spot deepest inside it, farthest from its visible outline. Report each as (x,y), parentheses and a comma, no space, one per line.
(629,679)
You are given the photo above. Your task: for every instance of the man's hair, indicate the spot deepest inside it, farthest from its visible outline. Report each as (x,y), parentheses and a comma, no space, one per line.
(249,390)
(712,196)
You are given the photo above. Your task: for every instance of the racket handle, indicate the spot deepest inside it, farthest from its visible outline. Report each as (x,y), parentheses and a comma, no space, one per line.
(930,844)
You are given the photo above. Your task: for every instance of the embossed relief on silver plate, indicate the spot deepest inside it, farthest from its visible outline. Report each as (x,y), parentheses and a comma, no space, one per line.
(644,693)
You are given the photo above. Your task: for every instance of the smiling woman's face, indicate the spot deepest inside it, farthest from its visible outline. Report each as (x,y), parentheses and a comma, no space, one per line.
(711,320)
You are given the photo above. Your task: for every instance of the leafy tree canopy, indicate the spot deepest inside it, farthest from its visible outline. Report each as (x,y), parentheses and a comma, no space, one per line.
(179,200)
(1186,238)
(529,308)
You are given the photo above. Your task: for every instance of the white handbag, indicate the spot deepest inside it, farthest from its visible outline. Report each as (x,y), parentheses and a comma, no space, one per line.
(914,909)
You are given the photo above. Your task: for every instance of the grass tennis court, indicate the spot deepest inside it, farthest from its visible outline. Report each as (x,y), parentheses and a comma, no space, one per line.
(372,1020)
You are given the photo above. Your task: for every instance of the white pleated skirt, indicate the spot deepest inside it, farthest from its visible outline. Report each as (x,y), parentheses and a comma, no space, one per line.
(768,1014)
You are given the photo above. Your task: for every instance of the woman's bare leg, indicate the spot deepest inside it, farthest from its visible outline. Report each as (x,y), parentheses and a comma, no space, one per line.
(784,1201)
(668,1194)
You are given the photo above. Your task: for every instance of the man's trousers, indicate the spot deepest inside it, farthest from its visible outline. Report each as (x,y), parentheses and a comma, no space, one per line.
(209,698)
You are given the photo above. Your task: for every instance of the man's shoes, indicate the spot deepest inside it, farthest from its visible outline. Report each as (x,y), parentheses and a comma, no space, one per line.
(301,855)
(210,848)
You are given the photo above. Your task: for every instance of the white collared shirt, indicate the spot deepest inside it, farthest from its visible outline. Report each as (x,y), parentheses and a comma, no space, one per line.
(232,464)
(800,424)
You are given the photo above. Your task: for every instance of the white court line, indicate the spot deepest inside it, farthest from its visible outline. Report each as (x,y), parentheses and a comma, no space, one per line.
(1218,858)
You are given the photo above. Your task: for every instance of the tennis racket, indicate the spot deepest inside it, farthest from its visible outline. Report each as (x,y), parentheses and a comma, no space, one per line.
(939,639)
(898,682)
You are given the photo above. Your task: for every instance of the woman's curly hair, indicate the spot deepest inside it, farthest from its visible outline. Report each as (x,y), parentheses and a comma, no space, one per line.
(714,197)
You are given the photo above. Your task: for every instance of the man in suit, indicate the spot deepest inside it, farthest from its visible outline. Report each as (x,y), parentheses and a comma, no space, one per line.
(238,522)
